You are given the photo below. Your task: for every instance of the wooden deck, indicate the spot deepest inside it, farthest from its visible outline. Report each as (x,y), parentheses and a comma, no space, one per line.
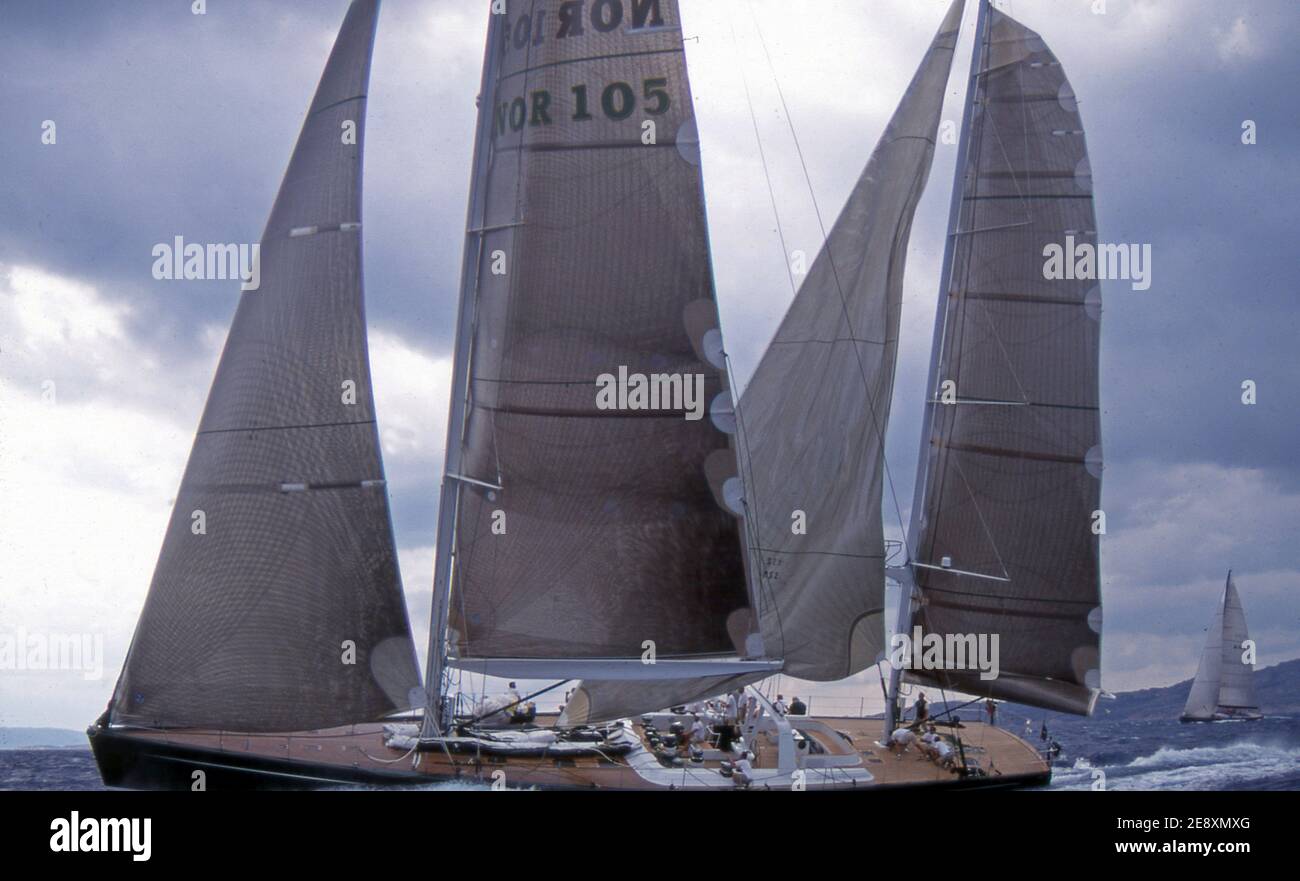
(357,754)
(993,750)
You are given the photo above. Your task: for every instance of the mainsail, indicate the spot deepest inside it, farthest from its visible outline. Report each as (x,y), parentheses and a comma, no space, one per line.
(276,604)
(1009,484)
(1224,683)
(583,532)
(813,421)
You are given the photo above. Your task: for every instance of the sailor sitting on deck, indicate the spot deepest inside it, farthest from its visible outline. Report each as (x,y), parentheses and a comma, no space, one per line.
(779,705)
(798,707)
(743,775)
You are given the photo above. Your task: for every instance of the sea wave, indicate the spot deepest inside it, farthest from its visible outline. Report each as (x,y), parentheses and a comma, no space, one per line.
(1244,764)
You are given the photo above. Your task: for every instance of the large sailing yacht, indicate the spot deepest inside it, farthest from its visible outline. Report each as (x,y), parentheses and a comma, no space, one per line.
(611,515)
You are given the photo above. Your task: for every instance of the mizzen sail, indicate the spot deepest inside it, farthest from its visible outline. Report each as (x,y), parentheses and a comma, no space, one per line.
(583,530)
(276,604)
(1003,535)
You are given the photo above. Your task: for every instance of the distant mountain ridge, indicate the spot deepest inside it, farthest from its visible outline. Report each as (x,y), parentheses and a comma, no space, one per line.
(41,738)
(1277,687)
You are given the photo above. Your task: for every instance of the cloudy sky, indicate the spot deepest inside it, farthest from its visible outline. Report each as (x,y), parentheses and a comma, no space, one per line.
(170,123)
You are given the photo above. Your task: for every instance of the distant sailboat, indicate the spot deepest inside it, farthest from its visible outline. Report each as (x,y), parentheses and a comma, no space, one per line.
(1224,687)
(642,548)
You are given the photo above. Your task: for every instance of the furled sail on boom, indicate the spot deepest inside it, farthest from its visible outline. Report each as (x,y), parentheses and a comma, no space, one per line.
(1002,540)
(280,552)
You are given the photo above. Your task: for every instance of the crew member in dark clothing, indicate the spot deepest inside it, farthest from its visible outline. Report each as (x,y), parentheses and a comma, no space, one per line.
(798,707)
(922,709)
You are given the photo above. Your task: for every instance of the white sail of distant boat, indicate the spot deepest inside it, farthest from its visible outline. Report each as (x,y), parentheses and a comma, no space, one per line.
(1224,687)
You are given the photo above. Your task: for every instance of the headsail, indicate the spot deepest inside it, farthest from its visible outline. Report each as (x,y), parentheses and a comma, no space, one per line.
(584,531)
(280,554)
(815,413)
(813,419)
(1010,477)
(1224,683)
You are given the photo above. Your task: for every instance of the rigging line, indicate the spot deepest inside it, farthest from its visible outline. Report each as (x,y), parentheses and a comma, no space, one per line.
(983,523)
(889,478)
(762,155)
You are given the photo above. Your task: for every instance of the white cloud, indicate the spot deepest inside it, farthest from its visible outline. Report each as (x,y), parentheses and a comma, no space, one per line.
(87,481)
(1235,43)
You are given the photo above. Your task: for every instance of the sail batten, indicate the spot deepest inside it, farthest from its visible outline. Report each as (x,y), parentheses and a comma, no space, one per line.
(276,603)
(1011,485)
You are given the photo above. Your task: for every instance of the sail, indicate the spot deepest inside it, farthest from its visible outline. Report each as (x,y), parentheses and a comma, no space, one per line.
(605,700)
(1236,677)
(1002,539)
(815,413)
(1223,683)
(813,417)
(276,604)
(589,525)
(1203,700)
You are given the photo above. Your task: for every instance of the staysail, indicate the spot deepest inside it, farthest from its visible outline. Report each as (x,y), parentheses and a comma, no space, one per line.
(1224,683)
(813,420)
(1007,501)
(591,527)
(815,413)
(276,604)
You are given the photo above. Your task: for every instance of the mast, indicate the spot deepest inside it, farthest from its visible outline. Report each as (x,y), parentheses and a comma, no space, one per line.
(904,575)
(449,498)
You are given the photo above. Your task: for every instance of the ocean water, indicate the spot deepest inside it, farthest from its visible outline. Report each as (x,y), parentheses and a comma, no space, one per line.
(1168,755)
(1132,755)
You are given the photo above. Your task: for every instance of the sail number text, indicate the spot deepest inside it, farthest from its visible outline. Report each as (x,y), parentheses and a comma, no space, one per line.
(616,101)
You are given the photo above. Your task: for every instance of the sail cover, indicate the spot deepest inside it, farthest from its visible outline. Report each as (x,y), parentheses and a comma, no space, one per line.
(812,419)
(276,603)
(590,527)
(1011,470)
(815,413)
(1223,682)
